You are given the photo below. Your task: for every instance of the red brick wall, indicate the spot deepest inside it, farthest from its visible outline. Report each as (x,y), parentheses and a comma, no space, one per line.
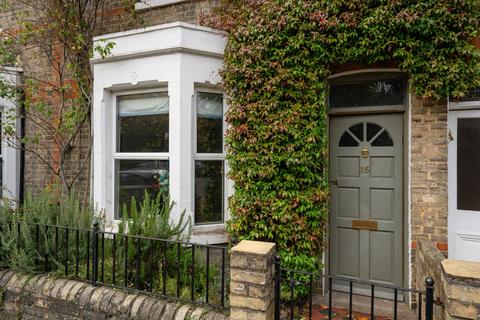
(117,17)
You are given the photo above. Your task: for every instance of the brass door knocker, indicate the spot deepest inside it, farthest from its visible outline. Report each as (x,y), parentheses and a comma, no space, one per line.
(365,153)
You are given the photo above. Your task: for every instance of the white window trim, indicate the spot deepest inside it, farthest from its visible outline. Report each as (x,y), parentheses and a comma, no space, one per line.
(10,149)
(209,156)
(463,105)
(130,155)
(148,4)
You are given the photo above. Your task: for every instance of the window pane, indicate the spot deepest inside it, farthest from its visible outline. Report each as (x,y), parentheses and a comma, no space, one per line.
(134,177)
(208,191)
(368,93)
(143,123)
(468,164)
(209,123)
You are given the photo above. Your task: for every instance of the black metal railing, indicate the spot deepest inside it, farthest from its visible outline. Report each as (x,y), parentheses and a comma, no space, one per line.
(294,293)
(184,271)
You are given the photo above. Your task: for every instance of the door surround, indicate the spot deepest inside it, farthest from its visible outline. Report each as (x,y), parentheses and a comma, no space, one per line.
(403,109)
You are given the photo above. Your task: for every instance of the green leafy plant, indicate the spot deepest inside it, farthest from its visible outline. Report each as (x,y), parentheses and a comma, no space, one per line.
(278,58)
(30,242)
(153,264)
(21,250)
(152,218)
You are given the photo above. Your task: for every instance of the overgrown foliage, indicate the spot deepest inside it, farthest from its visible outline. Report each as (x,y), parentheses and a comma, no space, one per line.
(278,58)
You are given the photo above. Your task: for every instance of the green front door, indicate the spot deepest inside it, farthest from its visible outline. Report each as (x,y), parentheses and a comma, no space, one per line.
(366,178)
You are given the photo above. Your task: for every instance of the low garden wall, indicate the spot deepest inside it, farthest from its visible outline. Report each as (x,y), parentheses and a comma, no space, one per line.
(457,283)
(428,260)
(26,296)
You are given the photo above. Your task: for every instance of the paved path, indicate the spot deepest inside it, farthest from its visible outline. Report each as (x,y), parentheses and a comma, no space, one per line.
(321,312)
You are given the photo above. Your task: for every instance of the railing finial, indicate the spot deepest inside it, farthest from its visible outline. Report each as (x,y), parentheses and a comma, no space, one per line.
(429,282)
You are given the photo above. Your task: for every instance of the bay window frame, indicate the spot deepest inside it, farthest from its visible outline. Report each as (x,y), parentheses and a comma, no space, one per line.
(116,155)
(210,157)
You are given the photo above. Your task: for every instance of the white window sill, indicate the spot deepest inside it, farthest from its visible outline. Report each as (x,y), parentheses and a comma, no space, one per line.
(209,234)
(203,234)
(148,4)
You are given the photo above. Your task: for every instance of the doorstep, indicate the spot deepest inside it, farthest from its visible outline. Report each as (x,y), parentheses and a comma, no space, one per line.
(361,307)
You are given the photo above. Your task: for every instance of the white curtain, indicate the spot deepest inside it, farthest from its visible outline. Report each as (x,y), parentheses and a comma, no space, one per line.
(210,105)
(143,104)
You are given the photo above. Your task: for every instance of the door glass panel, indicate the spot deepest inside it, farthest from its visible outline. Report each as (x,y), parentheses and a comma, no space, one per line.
(357,130)
(383,140)
(468,164)
(347,140)
(372,130)
(143,123)
(368,93)
(135,177)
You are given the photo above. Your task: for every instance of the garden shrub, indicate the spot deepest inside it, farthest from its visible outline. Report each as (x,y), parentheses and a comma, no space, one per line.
(18,250)
(277,61)
(152,218)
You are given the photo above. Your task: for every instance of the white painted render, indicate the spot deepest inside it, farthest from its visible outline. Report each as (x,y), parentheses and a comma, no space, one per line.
(176,57)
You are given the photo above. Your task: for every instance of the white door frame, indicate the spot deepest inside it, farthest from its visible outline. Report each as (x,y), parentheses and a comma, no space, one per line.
(463,225)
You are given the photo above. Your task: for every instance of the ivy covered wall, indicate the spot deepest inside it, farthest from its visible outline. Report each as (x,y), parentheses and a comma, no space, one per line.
(277,61)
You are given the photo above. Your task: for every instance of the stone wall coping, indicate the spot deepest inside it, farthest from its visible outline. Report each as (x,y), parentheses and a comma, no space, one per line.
(428,247)
(254,247)
(461,269)
(50,297)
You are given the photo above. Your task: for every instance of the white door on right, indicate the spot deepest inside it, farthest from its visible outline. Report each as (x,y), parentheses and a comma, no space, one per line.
(464,185)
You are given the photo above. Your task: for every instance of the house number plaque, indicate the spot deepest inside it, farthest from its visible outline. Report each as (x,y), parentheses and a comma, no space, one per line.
(365,224)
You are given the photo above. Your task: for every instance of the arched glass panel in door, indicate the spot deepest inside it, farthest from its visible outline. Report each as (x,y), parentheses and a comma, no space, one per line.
(363,132)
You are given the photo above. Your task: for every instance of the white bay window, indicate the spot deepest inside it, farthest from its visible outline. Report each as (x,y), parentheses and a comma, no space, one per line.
(158,122)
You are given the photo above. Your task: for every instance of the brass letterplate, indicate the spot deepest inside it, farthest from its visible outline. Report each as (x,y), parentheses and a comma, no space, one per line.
(365,224)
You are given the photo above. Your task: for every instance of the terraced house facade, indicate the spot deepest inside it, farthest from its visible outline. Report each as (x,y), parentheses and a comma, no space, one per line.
(401,168)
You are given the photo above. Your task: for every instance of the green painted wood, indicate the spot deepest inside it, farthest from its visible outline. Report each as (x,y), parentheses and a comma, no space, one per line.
(367,188)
